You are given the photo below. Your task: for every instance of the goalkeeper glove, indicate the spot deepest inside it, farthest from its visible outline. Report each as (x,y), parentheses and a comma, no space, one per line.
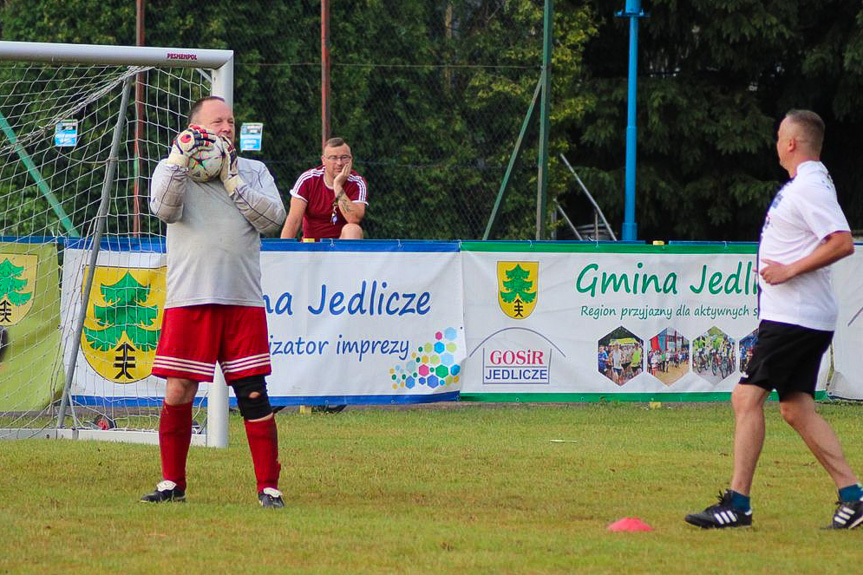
(188,142)
(230,171)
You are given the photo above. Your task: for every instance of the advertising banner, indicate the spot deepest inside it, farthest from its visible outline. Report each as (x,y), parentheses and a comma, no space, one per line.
(847,378)
(369,322)
(364,322)
(379,322)
(122,323)
(29,320)
(574,322)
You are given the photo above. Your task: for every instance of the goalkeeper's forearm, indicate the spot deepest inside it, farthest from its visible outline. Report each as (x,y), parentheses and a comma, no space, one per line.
(264,211)
(167,192)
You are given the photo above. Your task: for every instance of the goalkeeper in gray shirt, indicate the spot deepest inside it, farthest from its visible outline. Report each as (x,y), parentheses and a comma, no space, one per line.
(214,307)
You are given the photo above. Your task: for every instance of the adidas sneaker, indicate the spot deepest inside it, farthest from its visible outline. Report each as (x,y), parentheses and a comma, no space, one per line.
(848,515)
(720,515)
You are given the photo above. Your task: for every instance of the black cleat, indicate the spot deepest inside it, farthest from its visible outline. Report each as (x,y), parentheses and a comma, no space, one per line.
(848,515)
(271,498)
(721,515)
(328,408)
(165,491)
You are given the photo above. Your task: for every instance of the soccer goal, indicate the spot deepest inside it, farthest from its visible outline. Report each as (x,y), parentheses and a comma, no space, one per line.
(82,262)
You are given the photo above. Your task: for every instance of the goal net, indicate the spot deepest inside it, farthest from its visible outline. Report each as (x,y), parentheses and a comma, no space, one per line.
(82,263)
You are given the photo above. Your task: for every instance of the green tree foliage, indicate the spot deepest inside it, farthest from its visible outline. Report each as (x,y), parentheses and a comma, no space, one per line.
(11,283)
(518,286)
(432,95)
(435,120)
(510,34)
(124,314)
(714,80)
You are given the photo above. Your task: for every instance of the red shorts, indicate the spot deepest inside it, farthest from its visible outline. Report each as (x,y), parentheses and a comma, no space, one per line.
(194,338)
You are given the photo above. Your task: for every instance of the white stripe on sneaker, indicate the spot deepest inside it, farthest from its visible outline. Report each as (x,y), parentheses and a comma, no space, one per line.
(725,517)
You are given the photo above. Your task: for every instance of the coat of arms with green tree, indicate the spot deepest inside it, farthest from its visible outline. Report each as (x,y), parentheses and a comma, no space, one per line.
(124,314)
(12,287)
(518,290)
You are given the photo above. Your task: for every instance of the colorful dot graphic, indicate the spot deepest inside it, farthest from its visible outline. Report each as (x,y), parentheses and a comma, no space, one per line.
(432,364)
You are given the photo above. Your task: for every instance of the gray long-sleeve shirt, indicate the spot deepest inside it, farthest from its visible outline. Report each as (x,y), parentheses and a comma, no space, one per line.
(214,239)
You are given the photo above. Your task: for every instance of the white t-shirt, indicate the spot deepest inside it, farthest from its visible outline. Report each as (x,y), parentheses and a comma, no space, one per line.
(803,213)
(617,359)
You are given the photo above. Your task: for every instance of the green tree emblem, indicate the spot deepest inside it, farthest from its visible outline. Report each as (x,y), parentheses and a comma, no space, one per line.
(124,314)
(517,289)
(11,283)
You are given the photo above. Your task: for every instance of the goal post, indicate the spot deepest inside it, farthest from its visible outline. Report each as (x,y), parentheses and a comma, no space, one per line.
(76,151)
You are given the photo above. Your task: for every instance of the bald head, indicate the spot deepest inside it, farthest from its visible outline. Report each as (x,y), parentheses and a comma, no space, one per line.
(214,114)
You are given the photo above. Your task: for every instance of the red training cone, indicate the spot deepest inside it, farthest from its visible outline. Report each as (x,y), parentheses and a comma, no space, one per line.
(630,524)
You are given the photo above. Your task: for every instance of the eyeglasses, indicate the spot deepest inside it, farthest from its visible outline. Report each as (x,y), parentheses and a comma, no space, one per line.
(337,158)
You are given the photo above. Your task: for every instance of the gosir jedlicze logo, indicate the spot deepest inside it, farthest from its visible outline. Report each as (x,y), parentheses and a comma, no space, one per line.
(517,284)
(123,322)
(17,286)
(516,355)
(522,366)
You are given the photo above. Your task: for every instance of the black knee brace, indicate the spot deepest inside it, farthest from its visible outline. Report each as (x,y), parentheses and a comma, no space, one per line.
(256,407)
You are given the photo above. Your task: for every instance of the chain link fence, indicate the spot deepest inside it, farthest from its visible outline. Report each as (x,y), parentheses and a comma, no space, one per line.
(432,140)
(431,96)
(434,159)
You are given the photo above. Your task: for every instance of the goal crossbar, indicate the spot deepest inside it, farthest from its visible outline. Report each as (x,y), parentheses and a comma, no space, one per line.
(115,55)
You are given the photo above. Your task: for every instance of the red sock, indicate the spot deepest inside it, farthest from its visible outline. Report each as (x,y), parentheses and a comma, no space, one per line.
(264,445)
(175,435)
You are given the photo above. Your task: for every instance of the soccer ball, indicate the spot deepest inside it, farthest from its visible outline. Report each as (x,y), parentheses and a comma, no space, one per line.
(206,163)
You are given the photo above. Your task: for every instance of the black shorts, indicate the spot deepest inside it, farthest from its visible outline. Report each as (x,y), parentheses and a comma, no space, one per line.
(786,358)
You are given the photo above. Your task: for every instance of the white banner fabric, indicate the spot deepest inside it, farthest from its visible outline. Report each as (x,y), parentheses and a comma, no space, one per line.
(120,372)
(847,380)
(364,326)
(583,325)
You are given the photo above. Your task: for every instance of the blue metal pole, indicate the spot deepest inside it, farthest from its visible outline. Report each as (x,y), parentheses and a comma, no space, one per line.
(632,11)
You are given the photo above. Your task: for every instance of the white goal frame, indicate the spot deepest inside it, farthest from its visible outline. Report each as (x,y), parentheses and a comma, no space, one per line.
(221,65)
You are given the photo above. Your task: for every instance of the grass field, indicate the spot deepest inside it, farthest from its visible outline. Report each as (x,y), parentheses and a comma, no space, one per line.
(468,489)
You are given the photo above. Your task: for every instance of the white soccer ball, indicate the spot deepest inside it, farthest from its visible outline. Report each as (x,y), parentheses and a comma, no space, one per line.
(206,163)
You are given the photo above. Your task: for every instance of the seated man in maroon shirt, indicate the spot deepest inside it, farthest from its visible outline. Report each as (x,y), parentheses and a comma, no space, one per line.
(329,200)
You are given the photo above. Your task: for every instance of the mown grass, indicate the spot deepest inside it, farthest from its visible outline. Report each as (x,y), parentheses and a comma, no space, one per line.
(472,489)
